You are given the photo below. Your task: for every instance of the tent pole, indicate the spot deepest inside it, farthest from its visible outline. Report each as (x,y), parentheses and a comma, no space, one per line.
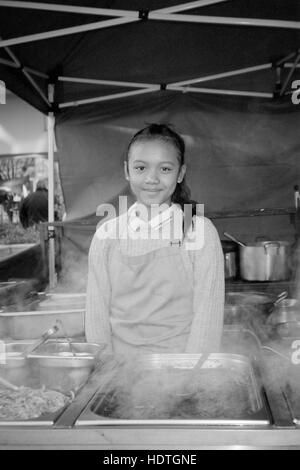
(102,11)
(260,22)
(290,64)
(67,31)
(70,8)
(289,75)
(288,57)
(35,86)
(224,74)
(27,75)
(8,63)
(93,81)
(36,72)
(51,229)
(110,97)
(220,92)
(189,6)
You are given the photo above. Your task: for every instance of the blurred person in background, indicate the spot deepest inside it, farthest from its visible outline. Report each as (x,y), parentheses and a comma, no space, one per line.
(34,208)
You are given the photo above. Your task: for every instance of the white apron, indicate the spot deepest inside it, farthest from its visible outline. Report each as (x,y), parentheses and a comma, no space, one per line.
(152,300)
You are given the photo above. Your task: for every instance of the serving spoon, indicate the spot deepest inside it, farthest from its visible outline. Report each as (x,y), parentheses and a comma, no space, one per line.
(41,340)
(8,384)
(231,237)
(197,366)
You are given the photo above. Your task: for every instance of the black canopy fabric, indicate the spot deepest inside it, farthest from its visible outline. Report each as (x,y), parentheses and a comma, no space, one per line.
(151,51)
(243,151)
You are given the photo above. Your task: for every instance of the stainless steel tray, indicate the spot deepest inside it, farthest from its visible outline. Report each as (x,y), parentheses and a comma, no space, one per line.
(46,419)
(101,410)
(291,393)
(49,367)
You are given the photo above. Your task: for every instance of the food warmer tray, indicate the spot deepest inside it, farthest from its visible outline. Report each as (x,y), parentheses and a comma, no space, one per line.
(254,410)
(57,372)
(45,420)
(291,393)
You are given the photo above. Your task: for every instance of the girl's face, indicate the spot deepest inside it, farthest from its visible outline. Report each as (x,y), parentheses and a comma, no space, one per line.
(153,171)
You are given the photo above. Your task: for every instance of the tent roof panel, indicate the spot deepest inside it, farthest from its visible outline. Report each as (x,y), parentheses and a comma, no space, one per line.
(152,51)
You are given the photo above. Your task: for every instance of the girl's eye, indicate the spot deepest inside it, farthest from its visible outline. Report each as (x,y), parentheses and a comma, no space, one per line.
(166,169)
(139,168)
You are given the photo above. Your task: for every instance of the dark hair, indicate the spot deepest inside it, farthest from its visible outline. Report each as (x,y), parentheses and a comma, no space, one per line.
(164,132)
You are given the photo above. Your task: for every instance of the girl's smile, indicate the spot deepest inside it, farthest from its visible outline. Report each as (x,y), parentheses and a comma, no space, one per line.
(153,171)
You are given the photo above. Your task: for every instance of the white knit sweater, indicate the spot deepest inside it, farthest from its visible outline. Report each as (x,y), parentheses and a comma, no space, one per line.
(207,276)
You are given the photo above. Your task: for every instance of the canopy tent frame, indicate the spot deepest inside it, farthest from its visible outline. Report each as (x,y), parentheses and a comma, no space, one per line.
(51,229)
(120,17)
(102,11)
(290,74)
(129,16)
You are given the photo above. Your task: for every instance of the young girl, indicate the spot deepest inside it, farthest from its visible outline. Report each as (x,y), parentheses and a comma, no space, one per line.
(148,291)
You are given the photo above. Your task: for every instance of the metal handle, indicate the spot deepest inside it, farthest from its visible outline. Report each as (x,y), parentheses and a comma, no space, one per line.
(233,239)
(268,244)
(41,340)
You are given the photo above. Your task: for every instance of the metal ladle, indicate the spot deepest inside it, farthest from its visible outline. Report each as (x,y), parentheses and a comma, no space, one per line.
(41,340)
(197,366)
(234,239)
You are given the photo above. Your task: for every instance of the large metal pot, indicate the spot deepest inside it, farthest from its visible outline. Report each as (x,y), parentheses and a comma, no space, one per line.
(265,261)
(230,252)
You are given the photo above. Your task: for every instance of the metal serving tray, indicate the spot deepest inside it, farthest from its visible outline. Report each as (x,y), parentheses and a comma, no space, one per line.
(291,393)
(101,410)
(64,366)
(53,366)
(47,419)
(17,370)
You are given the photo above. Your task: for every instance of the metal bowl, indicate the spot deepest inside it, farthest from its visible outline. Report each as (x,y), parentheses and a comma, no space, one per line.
(14,367)
(242,305)
(62,366)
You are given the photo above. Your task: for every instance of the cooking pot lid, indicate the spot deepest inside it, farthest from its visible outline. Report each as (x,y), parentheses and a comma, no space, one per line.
(248,298)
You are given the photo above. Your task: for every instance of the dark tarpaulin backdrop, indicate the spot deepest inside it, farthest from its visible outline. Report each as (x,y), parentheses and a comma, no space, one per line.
(241,154)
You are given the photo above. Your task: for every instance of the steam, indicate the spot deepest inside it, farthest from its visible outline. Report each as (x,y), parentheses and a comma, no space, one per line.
(144,388)
(74,272)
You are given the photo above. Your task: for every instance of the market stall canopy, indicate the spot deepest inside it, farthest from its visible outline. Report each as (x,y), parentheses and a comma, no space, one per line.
(150,45)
